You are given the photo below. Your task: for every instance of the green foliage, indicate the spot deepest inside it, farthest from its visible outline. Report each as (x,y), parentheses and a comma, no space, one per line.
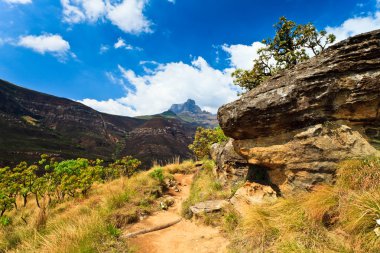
(113,230)
(5,221)
(157,174)
(204,138)
(287,48)
(127,166)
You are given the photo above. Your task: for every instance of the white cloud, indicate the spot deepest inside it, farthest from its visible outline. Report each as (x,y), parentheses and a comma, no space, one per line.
(242,56)
(356,25)
(103,49)
(47,43)
(171,83)
(72,13)
(76,11)
(109,106)
(17,1)
(127,15)
(121,44)
(93,9)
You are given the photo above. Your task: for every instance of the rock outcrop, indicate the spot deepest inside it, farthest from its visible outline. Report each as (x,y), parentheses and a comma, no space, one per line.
(230,165)
(252,194)
(299,124)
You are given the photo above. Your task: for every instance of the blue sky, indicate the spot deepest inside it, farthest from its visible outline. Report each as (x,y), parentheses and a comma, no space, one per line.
(133,57)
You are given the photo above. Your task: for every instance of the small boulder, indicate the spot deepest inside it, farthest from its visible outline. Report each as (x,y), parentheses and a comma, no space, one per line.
(208,206)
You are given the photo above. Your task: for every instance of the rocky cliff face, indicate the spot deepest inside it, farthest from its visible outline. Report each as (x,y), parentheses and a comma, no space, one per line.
(299,124)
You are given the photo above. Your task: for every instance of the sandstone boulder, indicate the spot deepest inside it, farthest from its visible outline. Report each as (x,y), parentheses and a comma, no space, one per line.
(340,85)
(208,206)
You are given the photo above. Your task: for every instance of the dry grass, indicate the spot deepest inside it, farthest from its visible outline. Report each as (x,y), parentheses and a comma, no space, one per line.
(339,218)
(83,225)
(360,175)
(186,167)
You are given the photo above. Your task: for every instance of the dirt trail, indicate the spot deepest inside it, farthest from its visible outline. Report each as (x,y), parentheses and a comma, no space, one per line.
(184,237)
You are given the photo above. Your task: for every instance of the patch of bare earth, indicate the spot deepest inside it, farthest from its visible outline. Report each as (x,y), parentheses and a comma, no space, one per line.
(183,237)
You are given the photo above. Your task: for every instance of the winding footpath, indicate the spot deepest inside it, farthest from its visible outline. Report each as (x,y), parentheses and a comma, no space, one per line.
(183,237)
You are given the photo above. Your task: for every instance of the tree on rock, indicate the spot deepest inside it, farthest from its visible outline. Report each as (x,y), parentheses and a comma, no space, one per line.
(291,45)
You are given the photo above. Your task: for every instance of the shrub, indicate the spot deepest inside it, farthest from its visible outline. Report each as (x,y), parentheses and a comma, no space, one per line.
(157,174)
(204,138)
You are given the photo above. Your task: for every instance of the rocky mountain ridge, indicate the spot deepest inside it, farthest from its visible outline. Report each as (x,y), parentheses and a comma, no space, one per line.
(191,112)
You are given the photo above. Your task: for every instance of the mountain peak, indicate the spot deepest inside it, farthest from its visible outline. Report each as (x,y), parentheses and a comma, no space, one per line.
(188,106)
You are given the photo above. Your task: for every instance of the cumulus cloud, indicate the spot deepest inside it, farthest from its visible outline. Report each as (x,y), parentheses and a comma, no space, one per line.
(127,15)
(356,25)
(17,1)
(47,43)
(168,84)
(242,56)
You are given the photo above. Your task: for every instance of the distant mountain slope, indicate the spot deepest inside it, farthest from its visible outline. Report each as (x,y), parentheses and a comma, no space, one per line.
(32,123)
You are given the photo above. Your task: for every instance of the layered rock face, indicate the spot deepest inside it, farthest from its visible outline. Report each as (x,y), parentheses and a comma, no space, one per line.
(299,124)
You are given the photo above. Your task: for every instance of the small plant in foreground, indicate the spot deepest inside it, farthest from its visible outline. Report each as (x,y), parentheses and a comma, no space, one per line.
(157,174)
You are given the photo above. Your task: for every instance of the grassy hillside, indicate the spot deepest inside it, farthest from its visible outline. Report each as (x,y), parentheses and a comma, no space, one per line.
(339,218)
(90,223)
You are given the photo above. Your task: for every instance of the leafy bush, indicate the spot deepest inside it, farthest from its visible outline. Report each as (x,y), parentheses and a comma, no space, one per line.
(127,166)
(204,138)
